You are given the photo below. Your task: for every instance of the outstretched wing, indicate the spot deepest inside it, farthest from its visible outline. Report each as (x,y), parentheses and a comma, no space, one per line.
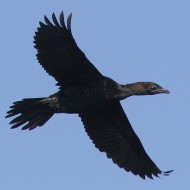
(111,132)
(59,54)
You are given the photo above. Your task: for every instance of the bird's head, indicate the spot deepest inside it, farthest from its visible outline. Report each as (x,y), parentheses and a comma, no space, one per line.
(146,88)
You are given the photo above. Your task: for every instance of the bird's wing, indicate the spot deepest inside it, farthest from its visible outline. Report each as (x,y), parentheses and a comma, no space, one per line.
(59,54)
(110,130)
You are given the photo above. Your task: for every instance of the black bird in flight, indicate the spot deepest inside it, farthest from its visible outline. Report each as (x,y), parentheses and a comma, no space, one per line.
(83,90)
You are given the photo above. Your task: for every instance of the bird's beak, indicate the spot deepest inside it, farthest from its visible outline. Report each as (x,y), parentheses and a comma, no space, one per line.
(163,90)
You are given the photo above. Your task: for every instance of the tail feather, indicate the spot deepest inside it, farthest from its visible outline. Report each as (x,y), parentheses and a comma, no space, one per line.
(32,112)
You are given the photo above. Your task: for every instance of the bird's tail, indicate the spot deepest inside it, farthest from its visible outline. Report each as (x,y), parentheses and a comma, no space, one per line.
(33,112)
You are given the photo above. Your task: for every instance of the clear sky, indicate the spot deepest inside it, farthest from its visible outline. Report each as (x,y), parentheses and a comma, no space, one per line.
(126,40)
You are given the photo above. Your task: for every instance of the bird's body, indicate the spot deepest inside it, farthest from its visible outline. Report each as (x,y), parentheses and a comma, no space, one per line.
(81,97)
(83,90)
(77,98)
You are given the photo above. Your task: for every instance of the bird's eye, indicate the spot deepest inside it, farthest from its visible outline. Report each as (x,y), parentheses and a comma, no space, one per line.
(153,88)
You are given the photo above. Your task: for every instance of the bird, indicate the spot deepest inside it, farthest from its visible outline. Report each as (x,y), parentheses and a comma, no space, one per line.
(83,90)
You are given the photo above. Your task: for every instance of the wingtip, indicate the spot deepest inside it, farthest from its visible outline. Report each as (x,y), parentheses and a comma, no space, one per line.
(47,21)
(61,18)
(69,21)
(167,173)
(55,20)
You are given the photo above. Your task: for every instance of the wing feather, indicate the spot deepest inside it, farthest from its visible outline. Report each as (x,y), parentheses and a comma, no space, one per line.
(111,132)
(59,54)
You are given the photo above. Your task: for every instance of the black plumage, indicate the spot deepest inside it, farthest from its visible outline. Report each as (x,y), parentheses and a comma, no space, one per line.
(85,91)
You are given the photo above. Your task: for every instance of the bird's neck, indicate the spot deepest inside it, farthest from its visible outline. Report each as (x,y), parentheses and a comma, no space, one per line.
(130,90)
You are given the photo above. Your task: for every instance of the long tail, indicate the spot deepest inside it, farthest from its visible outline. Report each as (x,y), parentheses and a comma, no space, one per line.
(33,112)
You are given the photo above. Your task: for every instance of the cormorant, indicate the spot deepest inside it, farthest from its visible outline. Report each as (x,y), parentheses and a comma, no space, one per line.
(83,90)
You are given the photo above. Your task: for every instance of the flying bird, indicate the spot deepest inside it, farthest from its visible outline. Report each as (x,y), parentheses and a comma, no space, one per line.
(83,90)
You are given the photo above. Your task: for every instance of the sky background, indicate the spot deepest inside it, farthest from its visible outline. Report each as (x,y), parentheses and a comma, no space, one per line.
(126,40)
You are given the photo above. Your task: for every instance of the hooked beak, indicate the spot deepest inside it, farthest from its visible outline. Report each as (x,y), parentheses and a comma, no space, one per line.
(163,90)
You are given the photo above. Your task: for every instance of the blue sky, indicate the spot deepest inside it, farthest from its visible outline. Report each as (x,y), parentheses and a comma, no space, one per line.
(128,41)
